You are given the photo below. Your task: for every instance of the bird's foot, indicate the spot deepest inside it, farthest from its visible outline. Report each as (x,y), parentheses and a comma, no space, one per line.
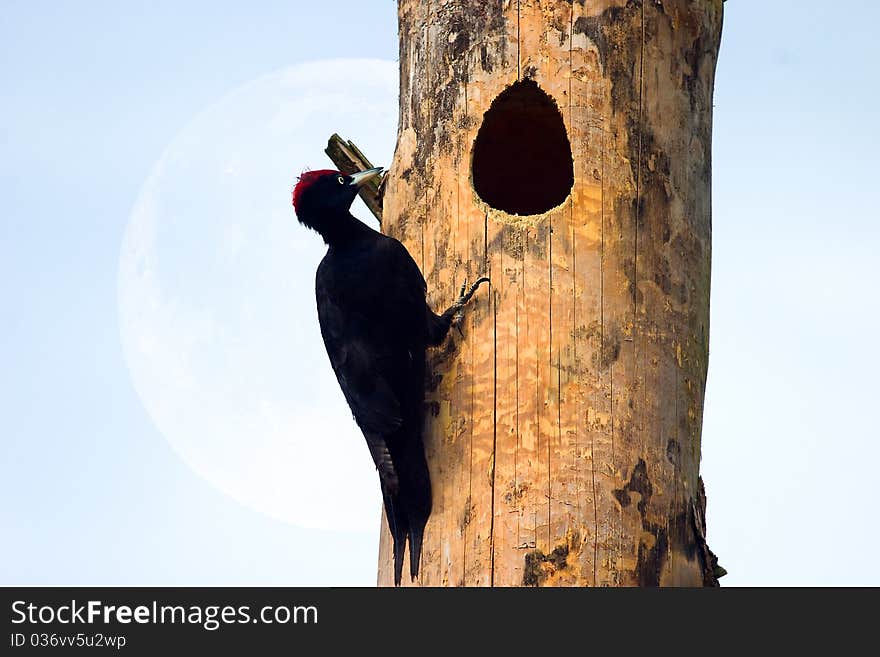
(464,296)
(457,319)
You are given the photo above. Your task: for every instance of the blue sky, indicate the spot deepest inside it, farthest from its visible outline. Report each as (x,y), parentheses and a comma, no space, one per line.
(94,92)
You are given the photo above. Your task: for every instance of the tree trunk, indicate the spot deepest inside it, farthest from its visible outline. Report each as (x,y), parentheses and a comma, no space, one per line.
(563,149)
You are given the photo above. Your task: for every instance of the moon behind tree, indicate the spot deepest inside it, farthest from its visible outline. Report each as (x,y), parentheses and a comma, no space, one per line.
(216,294)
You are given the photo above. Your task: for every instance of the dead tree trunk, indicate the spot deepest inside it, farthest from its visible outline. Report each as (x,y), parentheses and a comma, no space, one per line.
(563,149)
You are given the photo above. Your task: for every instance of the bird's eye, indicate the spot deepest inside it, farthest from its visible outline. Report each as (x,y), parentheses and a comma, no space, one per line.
(341,180)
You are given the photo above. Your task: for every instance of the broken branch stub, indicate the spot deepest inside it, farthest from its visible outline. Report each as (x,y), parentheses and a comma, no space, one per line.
(348,159)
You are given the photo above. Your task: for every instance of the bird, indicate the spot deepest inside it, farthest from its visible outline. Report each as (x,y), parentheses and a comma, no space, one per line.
(377,325)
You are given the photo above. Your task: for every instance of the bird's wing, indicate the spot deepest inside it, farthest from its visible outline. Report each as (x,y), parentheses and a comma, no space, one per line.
(404,293)
(360,366)
(406,268)
(371,308)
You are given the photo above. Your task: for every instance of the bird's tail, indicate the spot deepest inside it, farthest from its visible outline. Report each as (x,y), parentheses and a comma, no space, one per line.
(416,533)
(417,497)
(398,525)
(407,509)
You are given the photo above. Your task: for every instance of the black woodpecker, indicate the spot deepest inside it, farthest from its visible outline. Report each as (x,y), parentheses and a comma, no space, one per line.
(376,326)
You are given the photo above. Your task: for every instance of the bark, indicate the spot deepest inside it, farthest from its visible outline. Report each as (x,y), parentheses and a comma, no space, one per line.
(563,429)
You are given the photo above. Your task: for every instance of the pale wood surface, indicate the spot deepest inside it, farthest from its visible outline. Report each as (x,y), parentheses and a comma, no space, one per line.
(563,429)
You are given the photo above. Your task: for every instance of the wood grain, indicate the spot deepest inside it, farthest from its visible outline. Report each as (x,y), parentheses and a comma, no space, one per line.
(563,428)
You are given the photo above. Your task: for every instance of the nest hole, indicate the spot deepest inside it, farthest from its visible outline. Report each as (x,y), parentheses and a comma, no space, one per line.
(522,160)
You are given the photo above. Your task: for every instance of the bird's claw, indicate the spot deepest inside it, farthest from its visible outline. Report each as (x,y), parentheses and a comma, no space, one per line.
(464,297)
(457,319)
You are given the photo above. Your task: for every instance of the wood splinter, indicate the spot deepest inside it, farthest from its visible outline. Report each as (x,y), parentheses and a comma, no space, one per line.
(348,159)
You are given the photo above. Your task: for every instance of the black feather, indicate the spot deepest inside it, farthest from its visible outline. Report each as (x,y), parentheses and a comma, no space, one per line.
(376,325)
(372,311)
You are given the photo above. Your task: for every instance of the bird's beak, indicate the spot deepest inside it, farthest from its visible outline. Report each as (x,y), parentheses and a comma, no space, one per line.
(359,178)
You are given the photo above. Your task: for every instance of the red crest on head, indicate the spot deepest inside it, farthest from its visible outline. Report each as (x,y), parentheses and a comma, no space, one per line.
(306,179)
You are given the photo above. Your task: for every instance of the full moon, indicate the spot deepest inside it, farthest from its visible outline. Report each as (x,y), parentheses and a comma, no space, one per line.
(216,294)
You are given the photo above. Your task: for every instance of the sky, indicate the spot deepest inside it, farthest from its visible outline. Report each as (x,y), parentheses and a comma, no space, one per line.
(102,100)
